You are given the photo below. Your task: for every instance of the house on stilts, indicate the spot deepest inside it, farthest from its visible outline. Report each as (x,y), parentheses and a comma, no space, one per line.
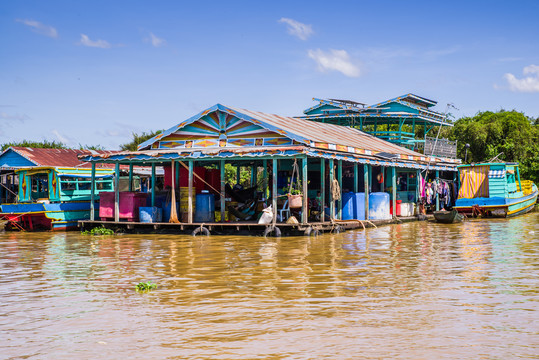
(322,160)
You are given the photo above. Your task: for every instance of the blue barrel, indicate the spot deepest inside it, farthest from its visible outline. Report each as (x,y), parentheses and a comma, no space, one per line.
(348,208)
(205,208)
(149,214)
(359,206)
(379,206)
(167,210)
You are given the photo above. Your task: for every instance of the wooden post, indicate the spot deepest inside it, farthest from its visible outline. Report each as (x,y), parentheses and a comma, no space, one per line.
(117,192)
(130,177)
(356,178)
(437,197)
(265,184)
(92,194)
(190,200)
(223,191)
(366,180)
(153,184)
(394,189)
(274,190)
(238,174)
(253,174)
(173,210)
(305,205)
(322,189)
(339,202)
(331,199)
(418,189)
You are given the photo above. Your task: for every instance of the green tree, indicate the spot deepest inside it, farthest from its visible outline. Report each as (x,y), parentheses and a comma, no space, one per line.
(510,135)
(45,144)
(139,139)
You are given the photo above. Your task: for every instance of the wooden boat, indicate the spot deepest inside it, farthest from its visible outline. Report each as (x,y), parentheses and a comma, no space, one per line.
(494,190)
(448,216)
(53,198)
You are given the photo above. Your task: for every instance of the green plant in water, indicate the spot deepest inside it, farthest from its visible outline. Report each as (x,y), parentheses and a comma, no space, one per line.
(145,286)
(99,231)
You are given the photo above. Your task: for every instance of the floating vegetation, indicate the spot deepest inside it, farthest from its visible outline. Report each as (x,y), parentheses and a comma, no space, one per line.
(99,231)
(145,286)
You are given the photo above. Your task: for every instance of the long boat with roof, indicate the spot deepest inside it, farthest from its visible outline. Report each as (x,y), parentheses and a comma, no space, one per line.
(494,190)
(54,198)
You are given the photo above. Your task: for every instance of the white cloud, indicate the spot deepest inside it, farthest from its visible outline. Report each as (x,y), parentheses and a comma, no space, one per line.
(17,117)
(157,42)
(300,30)
(527,84)
(85,40)
(40,28)
(62,139)
(337,60)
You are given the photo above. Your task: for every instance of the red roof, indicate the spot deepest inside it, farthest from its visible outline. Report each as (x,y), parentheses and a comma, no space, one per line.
(59,157)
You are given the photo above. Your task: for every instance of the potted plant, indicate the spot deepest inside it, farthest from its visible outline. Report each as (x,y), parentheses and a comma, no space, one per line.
(295,196)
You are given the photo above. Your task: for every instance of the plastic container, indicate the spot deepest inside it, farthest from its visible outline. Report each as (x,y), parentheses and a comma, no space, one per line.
(151,214)
(205,208)
(349,206)
(407,209)
(129,204)
(398,207)
(379,206)
(167,209)
(359,206)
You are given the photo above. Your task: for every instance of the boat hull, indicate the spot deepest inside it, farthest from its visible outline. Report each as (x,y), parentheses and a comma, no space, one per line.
(497,207)
(43,216)
(448,217)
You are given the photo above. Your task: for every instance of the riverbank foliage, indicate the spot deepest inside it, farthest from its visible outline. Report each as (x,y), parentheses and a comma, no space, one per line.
(509,135)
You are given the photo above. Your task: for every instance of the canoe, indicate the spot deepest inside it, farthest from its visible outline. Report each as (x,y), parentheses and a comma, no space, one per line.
(448,217)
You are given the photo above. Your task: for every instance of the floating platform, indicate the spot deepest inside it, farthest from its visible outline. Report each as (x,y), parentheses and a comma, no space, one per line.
(242,228)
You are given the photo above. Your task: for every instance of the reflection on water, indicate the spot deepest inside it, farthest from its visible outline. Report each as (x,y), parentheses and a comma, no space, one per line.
(413,290)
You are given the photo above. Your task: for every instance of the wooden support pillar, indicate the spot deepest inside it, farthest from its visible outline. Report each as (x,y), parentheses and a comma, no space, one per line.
(238,174)
(265,183)
(322,189)
(437,196)
(394,189)
(331,199)
(274,190)
(339,202)
(366,180)
(190,200)
(92,194)
(117,192)
(254,171)
(153,184)
(177,172)
(356,178)
(223,191)
(305,205)
(418,188)
(130,176)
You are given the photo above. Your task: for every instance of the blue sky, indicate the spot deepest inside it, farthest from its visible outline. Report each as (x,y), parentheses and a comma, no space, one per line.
(94,72)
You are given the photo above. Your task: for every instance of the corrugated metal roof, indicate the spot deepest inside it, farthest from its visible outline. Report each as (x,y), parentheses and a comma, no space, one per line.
(329,133)
(56,157)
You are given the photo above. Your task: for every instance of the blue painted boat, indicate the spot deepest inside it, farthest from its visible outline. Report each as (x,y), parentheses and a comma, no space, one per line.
(54,198)
(494,190)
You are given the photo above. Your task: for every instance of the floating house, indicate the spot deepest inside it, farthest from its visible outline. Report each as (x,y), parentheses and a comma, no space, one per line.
(48,189)
(328,160)
(396,120)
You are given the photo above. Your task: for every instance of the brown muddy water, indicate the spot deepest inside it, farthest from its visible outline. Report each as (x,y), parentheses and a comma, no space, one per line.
(411,291)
